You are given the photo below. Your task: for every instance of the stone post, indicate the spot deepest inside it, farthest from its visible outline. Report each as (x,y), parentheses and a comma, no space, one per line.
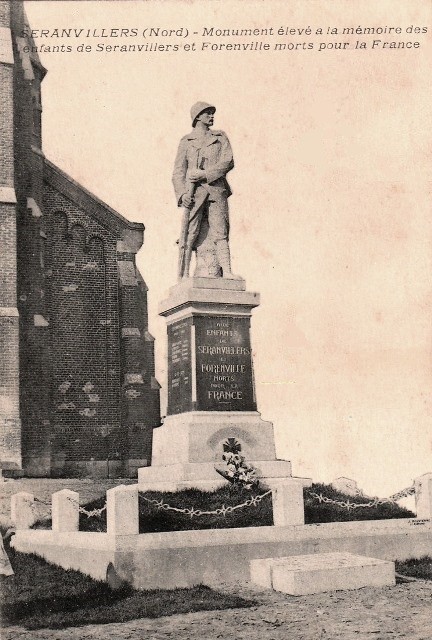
(288,504)
(423,495)
(65,510)
(22,510)
(122,511)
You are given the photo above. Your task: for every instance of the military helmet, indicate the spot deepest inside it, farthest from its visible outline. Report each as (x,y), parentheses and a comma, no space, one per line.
(198,108)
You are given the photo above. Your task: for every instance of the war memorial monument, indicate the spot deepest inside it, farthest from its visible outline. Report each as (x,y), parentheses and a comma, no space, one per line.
(212,409)
(211,388)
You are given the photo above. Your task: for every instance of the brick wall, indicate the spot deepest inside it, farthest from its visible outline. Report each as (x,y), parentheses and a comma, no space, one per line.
(77,364)
(6,124)
(8,285)
(140,397)
(105,402)
(10,428)
(34,335)
(85,334)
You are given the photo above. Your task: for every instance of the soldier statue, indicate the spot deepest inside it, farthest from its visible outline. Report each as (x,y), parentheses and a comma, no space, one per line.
(203,159)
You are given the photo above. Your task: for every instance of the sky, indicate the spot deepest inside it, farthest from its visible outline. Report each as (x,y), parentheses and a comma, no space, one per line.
(330,214)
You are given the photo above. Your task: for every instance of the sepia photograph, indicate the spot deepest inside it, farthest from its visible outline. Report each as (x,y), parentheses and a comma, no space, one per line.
(215,319)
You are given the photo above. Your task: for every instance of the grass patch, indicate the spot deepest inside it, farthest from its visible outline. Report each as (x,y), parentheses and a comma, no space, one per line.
(42,595)
(316,512)
(416,567)
(152,519)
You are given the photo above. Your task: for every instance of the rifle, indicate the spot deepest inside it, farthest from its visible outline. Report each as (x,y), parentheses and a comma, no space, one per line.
(185,225)
(184,232)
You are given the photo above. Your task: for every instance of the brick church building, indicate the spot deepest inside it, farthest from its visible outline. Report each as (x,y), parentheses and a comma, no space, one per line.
(78,394)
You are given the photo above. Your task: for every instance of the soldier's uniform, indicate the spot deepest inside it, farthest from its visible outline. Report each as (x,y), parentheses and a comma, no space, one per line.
(211,153)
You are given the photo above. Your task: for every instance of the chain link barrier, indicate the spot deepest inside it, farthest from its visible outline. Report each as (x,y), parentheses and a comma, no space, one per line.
(251,502)
(93,512)
(89,514)
(347,504)
(221,511)
(160,504)
(39,501)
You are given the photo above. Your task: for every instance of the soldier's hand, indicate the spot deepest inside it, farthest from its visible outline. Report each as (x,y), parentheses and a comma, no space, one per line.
(196,175)
(187,201)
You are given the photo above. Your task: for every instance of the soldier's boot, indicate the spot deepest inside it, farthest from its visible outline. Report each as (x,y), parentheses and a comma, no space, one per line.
(187,261)
(224,259)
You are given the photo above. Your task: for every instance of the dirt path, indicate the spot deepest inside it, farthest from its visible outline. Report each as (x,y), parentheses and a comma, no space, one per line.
(403,611)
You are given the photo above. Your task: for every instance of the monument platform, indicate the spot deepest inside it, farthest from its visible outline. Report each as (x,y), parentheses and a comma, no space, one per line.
(211,389)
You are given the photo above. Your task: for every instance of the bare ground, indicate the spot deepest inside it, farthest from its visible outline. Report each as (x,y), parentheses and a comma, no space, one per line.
(403,611)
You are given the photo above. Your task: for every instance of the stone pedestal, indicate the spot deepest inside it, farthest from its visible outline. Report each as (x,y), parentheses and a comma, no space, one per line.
(209,348)
(211,389)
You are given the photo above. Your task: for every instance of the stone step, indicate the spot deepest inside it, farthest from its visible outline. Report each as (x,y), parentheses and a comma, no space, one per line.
(320,572)
(205,472)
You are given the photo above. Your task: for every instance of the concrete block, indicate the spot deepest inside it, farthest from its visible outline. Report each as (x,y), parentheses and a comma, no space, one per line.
(317,573)
(122,510)
(423,495)
(288,504)
(22,510)
(65,510)
(7,195)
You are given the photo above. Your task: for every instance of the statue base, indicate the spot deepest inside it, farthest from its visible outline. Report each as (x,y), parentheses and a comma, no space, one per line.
(211,390)
(188,448)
